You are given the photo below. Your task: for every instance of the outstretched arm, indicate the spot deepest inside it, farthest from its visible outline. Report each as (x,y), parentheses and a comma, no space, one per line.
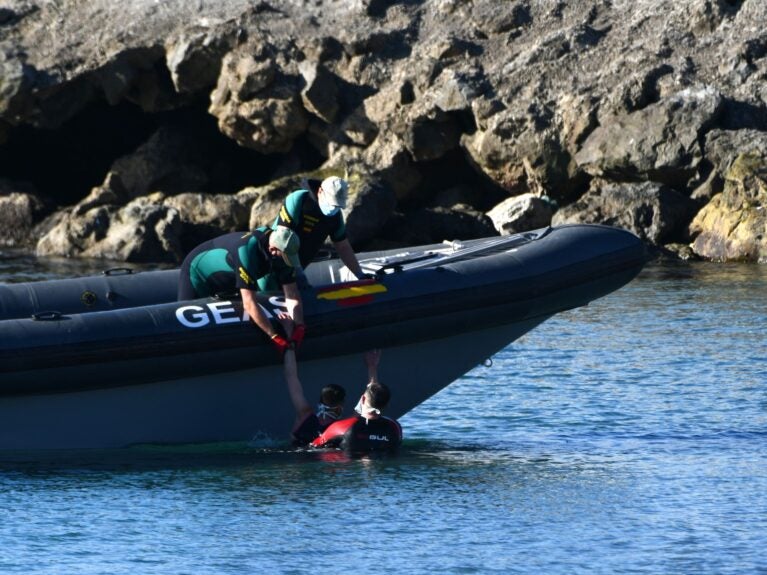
(372,359)
(256,313)
(347,255)
(294,303)
(295,388)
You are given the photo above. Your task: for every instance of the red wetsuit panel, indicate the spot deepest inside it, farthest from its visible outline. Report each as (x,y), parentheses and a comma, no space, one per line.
(360,434)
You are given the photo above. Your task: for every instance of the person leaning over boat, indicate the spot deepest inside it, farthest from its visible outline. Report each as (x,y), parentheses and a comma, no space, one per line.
(236,261)
(369,430)
(315,215)
(309,424)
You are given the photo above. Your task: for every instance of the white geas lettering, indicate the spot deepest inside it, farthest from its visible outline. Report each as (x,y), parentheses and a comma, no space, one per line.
(197,319)
(219,312)
(218,309)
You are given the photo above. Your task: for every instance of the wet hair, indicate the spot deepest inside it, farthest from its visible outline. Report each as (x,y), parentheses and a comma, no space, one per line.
(378,395)
(333,395)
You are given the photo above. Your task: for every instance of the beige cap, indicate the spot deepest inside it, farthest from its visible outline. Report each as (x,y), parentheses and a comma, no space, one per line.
(335,190)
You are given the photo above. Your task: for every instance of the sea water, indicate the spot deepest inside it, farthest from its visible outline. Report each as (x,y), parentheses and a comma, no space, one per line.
(629,436)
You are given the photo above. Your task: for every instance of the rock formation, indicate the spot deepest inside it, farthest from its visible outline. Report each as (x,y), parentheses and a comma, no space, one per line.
(153,125)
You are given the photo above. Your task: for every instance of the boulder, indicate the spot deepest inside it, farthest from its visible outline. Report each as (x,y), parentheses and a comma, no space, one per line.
(258,103)
(320,95)
(205,216)
(224,211)
(677,251)
(371,204)
(194,59)
(432,125)
(521,213)
(654,212)
(733,225)
(435,225)
(660,142)
(21,208)
(723,147)
(15,84)
(141,231)
(111,192)
(170,161)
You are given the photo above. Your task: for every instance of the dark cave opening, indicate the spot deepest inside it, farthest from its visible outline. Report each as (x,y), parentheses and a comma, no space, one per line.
(454,172)
(65,163)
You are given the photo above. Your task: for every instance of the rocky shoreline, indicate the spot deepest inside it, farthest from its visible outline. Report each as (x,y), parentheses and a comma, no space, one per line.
(132,131)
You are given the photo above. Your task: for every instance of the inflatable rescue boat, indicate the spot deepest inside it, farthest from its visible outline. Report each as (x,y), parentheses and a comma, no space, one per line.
(114,360)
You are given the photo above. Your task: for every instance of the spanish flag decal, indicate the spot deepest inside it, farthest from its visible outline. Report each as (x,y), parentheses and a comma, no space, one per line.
(352,293)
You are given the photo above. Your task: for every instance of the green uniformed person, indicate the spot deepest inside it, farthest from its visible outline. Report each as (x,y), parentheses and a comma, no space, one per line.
(315,215)
(235,262)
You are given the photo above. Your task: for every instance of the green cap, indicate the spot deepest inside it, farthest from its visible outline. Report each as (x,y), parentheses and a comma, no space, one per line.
(285,240)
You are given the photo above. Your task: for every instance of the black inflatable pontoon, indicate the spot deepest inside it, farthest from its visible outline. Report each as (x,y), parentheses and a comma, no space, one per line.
(114,360)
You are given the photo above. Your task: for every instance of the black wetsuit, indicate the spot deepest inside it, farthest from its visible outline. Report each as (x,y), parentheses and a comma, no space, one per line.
(358,434)
(231,262)
(310,428)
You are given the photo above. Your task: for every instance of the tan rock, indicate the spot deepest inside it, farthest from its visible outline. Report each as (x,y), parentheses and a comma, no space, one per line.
(223,211)
(733,225)
(520,214)
(255,104)
(141,231)
(19,212)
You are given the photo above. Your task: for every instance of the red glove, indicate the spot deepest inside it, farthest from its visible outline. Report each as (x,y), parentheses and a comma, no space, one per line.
(281,344)
(298,334)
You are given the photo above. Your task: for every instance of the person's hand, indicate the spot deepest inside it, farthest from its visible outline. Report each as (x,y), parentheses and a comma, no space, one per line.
(299,331)
(281,344)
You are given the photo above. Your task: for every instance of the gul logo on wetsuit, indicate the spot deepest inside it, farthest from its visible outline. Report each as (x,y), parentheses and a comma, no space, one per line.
(221,312)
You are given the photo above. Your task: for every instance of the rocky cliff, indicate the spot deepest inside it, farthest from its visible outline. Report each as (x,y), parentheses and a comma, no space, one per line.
(133,130)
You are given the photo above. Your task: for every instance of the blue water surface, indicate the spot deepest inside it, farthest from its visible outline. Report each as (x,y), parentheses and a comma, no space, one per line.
(629,436)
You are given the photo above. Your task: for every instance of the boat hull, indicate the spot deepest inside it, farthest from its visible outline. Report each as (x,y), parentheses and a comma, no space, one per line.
(139,367)
(248,405)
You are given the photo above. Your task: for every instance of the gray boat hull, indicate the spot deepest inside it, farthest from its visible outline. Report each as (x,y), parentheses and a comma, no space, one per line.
(239,406)
(137,367)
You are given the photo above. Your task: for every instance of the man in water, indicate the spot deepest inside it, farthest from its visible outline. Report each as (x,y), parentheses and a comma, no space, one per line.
(367,431)
(236,261)
(309,424)
(315,214)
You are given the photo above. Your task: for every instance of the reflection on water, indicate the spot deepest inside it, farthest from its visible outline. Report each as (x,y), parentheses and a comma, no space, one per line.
(20,266)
